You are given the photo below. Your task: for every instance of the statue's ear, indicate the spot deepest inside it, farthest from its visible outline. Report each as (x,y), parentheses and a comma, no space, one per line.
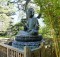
(32,12)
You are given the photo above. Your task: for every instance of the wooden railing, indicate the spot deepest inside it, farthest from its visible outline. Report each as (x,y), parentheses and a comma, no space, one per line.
(42,51)
(9,51)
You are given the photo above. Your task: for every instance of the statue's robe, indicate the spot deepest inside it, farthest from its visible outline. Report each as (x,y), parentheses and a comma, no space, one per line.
(32,26)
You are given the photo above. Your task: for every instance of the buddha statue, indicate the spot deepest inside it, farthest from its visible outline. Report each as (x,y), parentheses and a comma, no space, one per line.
(29,36)
(32,26)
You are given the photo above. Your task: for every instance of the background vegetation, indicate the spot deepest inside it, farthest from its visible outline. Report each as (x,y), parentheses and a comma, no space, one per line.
(50,10)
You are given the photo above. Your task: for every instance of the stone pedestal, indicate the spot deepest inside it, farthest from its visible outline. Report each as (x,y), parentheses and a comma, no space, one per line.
(31,41)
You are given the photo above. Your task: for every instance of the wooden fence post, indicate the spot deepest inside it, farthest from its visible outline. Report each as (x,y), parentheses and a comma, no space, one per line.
(27,52)
(7,53)
(42,50)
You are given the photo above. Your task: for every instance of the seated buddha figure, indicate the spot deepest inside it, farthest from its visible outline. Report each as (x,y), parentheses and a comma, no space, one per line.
(32,26)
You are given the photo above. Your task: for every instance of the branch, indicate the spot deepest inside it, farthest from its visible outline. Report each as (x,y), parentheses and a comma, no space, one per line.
(39,15)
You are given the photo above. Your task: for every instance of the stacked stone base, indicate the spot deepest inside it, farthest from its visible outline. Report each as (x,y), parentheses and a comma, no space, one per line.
(31,41)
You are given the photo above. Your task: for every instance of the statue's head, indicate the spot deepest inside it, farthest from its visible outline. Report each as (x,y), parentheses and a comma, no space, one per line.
(30,12)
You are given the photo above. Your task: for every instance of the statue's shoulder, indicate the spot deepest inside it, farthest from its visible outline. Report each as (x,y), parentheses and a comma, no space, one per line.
(35,18)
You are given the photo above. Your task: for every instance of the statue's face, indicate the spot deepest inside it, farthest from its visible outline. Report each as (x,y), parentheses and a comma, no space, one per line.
(30,12)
